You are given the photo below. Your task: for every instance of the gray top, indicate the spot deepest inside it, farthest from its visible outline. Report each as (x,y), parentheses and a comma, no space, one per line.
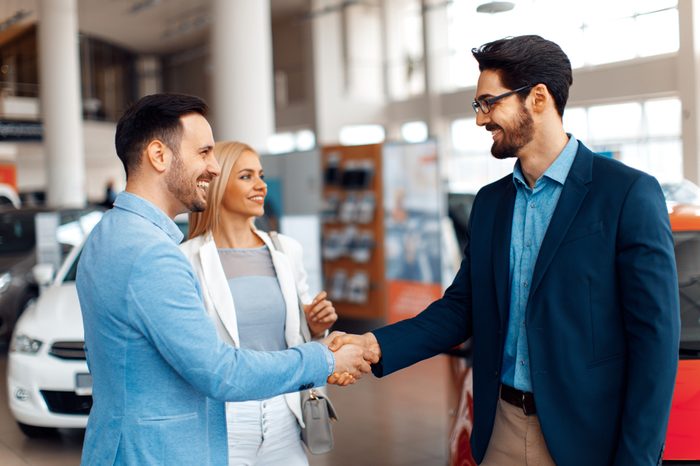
(260,307)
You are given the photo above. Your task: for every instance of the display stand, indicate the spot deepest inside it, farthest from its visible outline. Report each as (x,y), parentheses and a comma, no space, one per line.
(353,230)
(381,229)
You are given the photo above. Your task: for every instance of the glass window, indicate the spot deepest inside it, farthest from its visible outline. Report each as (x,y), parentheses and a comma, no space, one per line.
(108,79)
(665,160)
(591,32)
(17,233)
(663,117)
(468,137)
(576,122)
(470,164)
(600,37)
(404,38)
(618,121)
(645,135)
(657,33)
(73,270)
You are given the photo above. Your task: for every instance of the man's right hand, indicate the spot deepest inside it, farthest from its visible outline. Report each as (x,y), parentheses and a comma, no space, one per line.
(338,341)
(372,351)
(350,363)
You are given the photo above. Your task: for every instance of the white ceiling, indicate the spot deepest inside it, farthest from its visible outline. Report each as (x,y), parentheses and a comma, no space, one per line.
(146,26)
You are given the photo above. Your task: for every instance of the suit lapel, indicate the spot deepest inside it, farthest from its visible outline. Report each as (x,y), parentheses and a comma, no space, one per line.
(572,195)
(502,227)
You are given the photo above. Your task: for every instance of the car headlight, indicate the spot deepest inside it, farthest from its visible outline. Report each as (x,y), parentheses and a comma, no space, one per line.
(24,344)
(5,280)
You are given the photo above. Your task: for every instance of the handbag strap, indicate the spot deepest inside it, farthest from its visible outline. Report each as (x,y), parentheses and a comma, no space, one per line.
(303,324)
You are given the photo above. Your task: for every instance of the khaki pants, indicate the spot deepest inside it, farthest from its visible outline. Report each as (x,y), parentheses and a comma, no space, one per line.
(516,439)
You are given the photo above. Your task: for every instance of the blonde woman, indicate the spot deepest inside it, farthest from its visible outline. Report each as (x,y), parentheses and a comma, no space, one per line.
(250,291)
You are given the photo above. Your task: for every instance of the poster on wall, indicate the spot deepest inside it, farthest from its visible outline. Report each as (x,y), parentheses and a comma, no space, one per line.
(412,227)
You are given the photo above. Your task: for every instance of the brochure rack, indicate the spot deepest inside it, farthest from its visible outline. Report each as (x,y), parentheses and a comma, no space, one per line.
(353,230)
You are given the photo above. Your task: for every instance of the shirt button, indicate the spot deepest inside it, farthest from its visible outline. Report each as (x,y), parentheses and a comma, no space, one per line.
(525,284)
(522,363)
(532,205)
(528,243)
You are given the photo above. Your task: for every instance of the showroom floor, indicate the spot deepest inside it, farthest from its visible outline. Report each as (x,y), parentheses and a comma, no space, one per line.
(401,420)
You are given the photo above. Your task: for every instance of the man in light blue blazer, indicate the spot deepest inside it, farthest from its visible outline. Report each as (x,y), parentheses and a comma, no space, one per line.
(160,372)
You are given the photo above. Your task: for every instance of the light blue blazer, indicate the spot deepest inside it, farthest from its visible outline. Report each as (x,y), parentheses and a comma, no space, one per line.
(160,373)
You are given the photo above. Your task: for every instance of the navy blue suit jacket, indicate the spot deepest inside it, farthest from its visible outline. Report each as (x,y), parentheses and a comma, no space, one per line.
(602,317)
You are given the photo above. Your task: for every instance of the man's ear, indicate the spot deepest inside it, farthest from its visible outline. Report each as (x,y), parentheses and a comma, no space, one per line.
(157,155)
(541,98)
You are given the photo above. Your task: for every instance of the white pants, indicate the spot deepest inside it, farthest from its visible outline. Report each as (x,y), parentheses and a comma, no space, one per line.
(263,433)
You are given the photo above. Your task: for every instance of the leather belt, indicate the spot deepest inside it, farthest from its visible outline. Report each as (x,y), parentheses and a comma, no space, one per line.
(523,400)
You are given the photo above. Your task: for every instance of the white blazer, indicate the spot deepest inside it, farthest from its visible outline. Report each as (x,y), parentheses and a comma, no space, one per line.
(220,305)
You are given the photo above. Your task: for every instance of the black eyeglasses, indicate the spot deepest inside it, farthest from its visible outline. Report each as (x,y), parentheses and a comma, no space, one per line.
(484,105)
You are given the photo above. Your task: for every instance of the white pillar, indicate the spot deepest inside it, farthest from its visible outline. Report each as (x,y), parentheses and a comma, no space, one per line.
(59,78)
(689,86)
(242,99)
(348,61)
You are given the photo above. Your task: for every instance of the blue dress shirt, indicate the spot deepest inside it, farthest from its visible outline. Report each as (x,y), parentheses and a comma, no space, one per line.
(532,212)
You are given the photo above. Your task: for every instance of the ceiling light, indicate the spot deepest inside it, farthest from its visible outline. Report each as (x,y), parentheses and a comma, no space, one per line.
(495,7)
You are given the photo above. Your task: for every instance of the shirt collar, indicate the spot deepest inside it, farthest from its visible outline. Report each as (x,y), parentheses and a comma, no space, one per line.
(140,206)
(558,170)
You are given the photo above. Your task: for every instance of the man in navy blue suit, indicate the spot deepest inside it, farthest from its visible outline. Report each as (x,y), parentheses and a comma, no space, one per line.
(568,287)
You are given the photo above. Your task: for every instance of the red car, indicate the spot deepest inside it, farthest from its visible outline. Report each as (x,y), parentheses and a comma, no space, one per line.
(683,434)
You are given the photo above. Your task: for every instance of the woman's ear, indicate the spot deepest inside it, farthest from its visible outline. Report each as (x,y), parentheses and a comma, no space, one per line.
(158,155)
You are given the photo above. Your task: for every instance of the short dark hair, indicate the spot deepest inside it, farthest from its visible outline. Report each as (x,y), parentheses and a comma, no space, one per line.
(528,60)
(152,117)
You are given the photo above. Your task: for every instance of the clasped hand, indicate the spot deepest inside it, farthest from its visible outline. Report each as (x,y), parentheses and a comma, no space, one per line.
(353,356)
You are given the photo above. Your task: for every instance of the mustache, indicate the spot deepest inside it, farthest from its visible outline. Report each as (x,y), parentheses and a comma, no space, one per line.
(492,127)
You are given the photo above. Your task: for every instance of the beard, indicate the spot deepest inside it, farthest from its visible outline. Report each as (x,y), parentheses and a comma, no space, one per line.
(180,186)
(515,138)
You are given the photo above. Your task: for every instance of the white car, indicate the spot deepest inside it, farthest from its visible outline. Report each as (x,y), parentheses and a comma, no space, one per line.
(48,381)
(8,196)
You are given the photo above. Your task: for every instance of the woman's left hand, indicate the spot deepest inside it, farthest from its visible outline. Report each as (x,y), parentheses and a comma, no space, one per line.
(320,314)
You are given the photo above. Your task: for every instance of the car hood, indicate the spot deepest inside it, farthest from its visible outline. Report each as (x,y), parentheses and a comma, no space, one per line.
(18,262)
(55,315)
(683,437)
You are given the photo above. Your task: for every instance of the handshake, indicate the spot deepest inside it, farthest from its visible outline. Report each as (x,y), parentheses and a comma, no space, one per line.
(353,356)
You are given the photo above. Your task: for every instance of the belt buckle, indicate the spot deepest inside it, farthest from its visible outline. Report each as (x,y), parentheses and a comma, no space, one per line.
(524,404)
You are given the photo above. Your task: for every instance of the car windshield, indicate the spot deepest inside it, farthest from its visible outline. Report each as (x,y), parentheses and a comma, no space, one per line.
(16,233)
(72,271)
(687,248)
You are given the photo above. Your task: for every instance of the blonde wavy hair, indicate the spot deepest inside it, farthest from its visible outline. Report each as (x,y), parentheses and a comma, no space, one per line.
(226,153)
